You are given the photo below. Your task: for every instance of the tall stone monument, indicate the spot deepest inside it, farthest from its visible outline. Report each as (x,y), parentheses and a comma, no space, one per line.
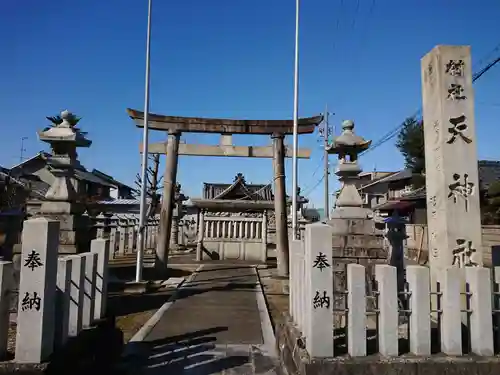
(453,211)
(63,201)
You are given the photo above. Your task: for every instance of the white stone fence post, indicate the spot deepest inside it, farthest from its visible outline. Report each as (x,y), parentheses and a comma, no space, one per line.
(58,297)
(311,308)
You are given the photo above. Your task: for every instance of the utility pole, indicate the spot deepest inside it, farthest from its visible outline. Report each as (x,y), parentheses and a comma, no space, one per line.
(325,153)
(326,134)
(21,157)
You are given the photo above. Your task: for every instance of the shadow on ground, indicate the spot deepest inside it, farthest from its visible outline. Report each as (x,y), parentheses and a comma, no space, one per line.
(191,353)
(125,304)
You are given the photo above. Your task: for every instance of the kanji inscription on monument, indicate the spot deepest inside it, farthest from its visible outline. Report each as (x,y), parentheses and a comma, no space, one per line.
(453,214)
(31,301)
(455,92)
(33,260)
(462,253)
(457,129)
(321,262)
(321,300)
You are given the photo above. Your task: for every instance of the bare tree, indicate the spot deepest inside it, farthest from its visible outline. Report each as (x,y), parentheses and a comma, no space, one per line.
(154,187)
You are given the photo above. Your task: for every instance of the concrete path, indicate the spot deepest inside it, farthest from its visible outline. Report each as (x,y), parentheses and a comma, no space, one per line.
(218,324)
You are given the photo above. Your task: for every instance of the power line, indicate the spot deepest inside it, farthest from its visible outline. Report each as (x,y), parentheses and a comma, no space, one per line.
(391,134)
(315,186)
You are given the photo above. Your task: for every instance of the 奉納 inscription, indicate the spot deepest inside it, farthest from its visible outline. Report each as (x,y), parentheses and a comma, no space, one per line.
(321,262)
(321,300)
(31,302)
(458,129)
(33,260)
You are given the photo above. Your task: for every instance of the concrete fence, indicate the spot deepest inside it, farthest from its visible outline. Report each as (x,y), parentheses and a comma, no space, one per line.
(58,296)
(122,231)
(409,310)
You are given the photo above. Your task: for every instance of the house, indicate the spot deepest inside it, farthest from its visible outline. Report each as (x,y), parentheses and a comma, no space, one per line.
(12,192)
(38,175)
(118,190)
(375,187)
(412,202)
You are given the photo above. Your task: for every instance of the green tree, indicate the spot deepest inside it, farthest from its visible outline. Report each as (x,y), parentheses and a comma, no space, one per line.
(410,143)
(492,207)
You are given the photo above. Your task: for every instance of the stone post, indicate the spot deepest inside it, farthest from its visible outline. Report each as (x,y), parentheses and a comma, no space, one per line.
(6,286)
(113,224)
(452,185)
(420,307)
(481,324)
(130,234)
(63,303)
(319,308)
(175,231)
(264,237)
(388,317)
(201,234)
(36,312)
(100,223)
(63,201)
(90,260)
(282,253)
(101,248)
(167,206)
(77,295)
(122,241)
(356,313)
(452,282)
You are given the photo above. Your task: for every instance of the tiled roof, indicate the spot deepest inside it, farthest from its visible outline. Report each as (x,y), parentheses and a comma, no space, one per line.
(84,175)
(109,179)
(121,202)
(251,191)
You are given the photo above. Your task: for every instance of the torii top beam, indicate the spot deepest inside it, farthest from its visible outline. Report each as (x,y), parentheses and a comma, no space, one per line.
(227,126)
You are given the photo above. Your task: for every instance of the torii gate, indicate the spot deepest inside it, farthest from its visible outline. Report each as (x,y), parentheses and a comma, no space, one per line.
(175,126)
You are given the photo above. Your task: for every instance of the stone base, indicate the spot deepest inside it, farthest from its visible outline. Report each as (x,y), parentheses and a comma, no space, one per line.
(75,232)
(351,213)
(294,358)
(133,287)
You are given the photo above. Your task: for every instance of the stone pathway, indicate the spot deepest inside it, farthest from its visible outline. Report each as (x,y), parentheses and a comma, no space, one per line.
(217,325)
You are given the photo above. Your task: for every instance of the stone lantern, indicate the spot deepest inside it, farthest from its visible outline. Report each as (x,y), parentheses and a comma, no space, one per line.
(178,213)
(347,146)
(62,201)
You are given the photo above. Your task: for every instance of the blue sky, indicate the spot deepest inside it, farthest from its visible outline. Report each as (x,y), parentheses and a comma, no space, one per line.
(226,58)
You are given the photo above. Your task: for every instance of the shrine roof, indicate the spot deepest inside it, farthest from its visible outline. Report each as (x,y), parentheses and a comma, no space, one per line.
(218,125)
(232,205)
(239,190)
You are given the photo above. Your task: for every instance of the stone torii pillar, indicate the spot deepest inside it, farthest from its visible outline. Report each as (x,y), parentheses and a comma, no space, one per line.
(167,206)
(280,204)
